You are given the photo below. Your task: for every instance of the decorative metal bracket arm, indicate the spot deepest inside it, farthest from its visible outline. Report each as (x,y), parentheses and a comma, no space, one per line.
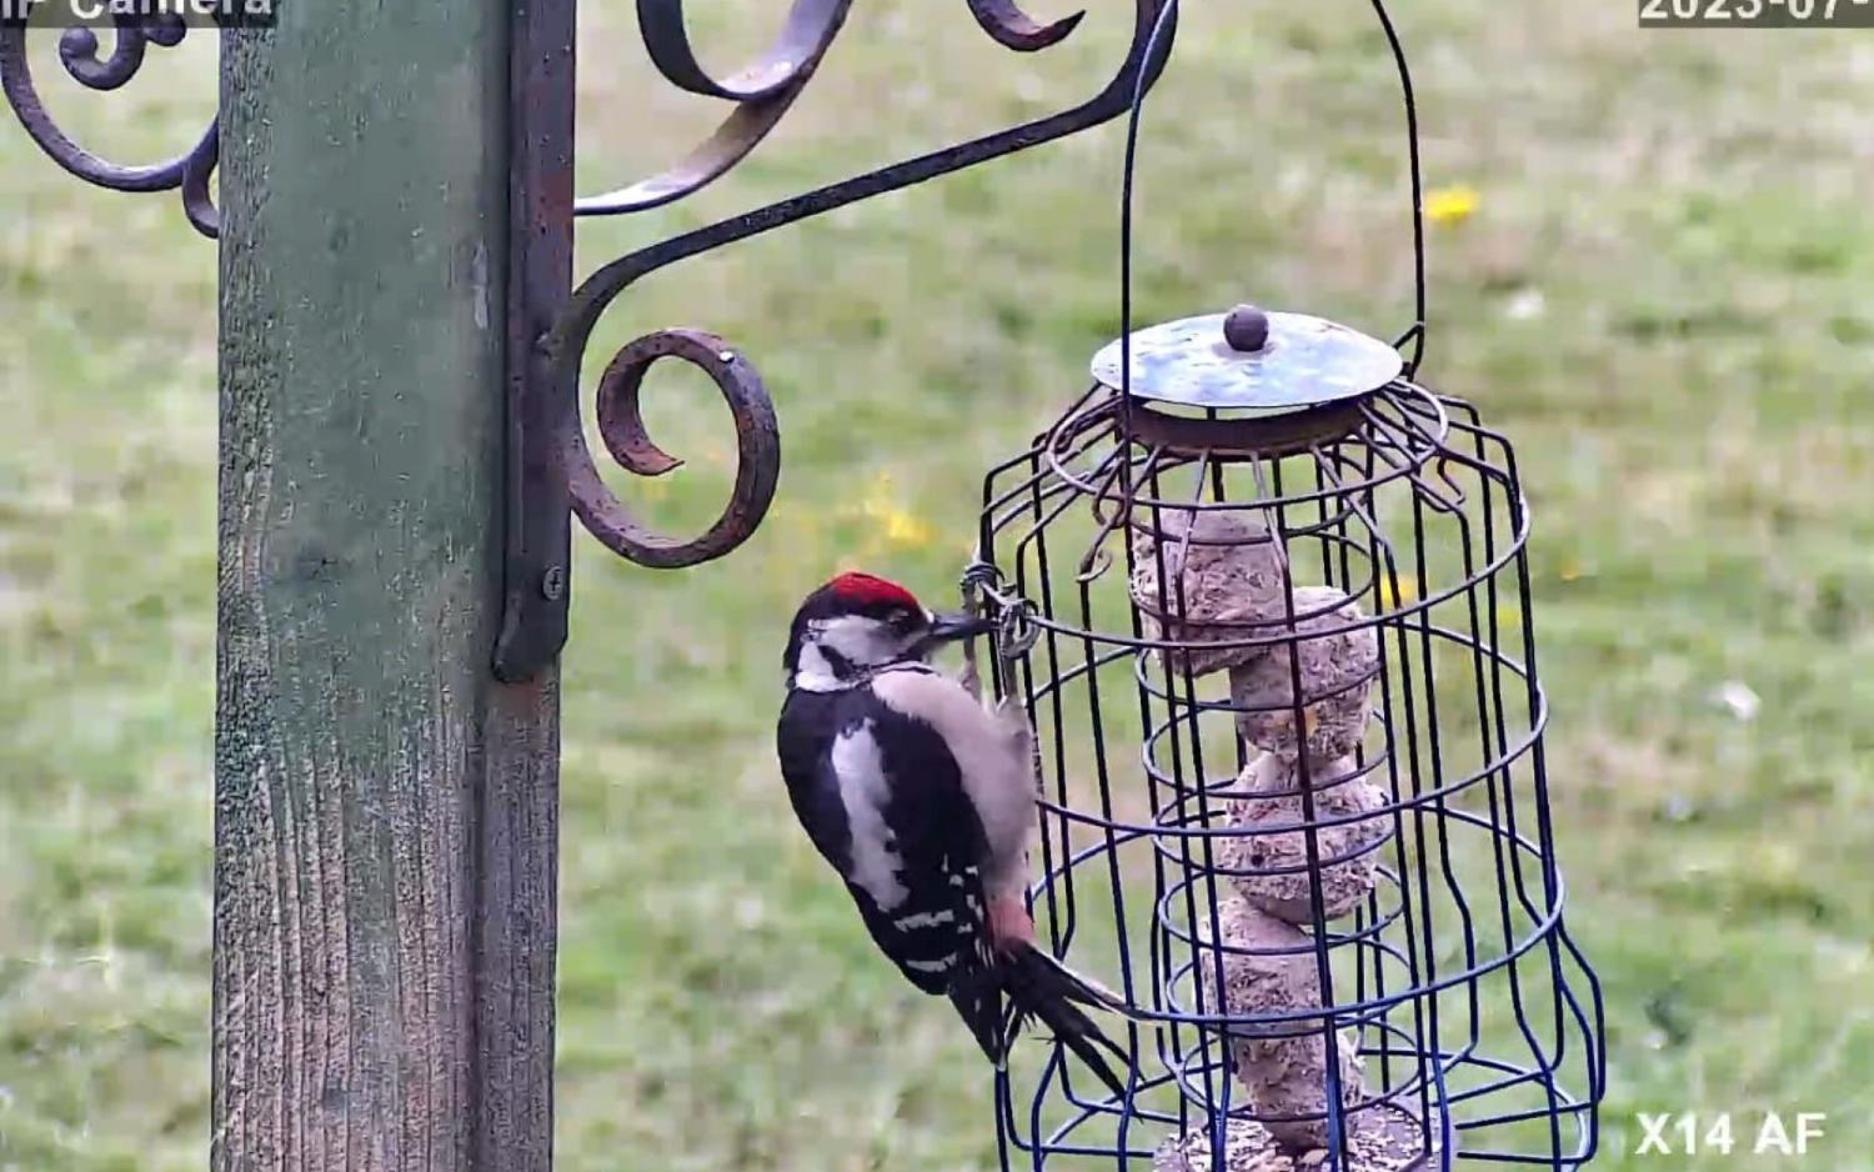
(762,92)
(551,474)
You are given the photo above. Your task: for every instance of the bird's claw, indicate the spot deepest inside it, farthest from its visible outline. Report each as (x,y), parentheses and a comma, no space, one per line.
(1010,714)
(970,678)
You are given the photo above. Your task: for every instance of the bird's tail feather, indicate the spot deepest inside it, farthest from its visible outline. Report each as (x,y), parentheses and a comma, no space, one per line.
(981,1005)
(1040,987)
(1076,987)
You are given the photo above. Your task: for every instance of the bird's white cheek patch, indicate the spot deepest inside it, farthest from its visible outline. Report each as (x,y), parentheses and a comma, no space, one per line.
(864,791)
(858,640)
(814,673)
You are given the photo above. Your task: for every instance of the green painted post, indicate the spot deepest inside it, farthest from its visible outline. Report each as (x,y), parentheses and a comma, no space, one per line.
(386,817)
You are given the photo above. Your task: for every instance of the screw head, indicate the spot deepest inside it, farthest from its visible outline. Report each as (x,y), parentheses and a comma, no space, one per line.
(553,583)
(1246,329)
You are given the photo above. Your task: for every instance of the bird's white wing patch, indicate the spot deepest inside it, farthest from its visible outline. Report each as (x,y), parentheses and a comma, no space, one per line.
(864,790)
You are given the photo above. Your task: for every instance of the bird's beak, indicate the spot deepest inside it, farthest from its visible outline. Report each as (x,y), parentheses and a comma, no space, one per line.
(950,628)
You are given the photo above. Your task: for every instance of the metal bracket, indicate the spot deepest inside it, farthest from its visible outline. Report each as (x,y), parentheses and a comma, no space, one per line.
(552,465)
(550,473)
(538,572)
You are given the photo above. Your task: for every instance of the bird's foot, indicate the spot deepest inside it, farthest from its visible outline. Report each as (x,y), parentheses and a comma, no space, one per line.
(1012,718)
(970,678)
(1010,714)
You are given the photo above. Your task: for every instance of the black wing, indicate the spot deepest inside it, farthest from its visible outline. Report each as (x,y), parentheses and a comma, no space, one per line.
(925,908)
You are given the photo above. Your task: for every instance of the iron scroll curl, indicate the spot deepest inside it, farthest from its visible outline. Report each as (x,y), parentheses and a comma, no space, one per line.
(79,54)
(764,90)
(621,425)
(608,519)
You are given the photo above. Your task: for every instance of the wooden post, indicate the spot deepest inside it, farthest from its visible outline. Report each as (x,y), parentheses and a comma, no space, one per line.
(386,813)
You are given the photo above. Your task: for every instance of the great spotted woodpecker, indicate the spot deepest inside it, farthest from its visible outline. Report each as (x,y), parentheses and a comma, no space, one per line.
(924,801)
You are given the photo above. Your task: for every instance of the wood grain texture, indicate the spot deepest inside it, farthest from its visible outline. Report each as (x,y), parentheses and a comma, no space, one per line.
(385,822)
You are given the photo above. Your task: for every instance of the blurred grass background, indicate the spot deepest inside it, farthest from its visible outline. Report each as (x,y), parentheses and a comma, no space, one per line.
(1654,266)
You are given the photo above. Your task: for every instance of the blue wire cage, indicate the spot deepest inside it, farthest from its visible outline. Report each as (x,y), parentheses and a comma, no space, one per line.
(1266,599)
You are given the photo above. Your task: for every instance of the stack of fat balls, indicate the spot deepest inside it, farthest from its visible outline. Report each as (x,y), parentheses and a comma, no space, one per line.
(1211,581)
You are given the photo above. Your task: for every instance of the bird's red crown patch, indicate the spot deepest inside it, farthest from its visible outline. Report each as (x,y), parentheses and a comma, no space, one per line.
(866,589)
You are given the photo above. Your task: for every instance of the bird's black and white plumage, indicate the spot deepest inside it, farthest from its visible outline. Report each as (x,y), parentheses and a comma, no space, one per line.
(924,801)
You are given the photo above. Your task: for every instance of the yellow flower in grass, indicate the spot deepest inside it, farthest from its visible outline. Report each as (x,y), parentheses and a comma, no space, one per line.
(1391,600)
(1446,206)
(900,528)
(903,529)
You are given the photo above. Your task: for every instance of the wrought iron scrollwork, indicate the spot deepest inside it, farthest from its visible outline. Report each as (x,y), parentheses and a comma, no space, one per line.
(621,425)
(550,462)
(1015,29)
(79,53)
(763,91)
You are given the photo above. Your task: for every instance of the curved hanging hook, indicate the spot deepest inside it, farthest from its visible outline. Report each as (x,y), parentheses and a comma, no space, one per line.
(1414,335)
(1158,43)
(608,518)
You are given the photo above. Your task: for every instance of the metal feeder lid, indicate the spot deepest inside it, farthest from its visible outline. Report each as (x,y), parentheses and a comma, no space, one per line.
(1251,360)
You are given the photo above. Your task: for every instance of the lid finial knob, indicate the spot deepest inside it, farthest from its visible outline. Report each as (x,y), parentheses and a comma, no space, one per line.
(1246,329)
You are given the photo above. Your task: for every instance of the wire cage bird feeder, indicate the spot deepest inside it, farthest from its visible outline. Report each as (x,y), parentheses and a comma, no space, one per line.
(1267,601)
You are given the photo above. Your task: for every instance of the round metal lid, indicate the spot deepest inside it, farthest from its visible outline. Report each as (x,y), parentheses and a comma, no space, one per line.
(1248,359)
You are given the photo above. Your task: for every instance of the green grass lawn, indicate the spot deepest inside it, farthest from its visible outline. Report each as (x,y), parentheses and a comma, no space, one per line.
(1664,292)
